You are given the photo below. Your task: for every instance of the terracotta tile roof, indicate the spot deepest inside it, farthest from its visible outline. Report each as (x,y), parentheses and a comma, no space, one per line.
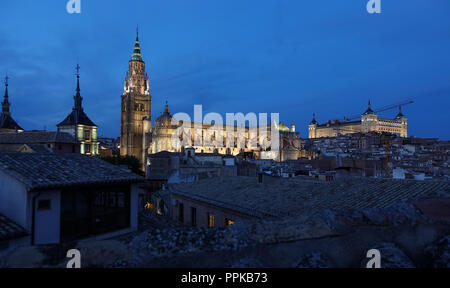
(46,171)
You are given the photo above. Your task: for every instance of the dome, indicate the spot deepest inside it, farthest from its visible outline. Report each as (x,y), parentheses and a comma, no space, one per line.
(165,120)
(283,127)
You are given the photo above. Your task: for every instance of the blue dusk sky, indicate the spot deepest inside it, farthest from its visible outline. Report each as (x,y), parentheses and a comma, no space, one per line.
(293,57)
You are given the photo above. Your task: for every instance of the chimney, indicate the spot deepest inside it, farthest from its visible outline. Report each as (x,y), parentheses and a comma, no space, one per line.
(260,178)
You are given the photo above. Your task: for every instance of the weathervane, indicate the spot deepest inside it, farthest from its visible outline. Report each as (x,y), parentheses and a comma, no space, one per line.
(78,70)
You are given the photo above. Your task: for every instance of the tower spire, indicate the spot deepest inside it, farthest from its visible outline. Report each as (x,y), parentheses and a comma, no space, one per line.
(5,103)
(369,109)
(313,121)
(77,98)
(400,113)
(166,108)
(137,56)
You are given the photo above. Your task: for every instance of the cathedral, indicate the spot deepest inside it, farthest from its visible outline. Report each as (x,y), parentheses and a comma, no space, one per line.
(370,122)
(138,138)
(7,123)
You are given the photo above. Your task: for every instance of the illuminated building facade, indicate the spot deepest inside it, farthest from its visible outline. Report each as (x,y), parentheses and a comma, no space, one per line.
(290,147)
(370,122)
(139,139)
(136,108)
(78,124)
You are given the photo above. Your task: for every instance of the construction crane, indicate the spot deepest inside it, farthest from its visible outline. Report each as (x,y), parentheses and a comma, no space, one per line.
(382,109)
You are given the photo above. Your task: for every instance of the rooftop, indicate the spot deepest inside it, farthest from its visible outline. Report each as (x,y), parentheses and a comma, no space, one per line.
(46,171)
(286,197)
(36,137)
(77,117)
(9,229)
(7,122)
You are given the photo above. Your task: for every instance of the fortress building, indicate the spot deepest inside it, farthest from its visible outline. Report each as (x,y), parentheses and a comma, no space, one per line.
(7,123)
(136,108)
(78,124)
(370,122)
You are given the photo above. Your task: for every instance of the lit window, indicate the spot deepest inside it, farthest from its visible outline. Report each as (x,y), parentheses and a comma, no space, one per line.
(210,220)
(87,135)
(228,222)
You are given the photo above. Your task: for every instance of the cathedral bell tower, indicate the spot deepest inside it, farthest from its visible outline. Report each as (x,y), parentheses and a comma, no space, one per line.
(136,108)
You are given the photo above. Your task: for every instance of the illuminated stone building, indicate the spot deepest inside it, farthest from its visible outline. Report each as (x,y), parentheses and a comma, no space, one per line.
(290,147)
(370,122)
(78,124)
(7,123)
(139,139)
(136,108)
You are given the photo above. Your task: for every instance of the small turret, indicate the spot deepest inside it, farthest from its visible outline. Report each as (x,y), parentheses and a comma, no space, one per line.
(400,114)
(369,110)
(313,121)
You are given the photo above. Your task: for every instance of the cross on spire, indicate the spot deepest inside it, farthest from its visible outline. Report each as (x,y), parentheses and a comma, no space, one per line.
(77,98)
(78,70)
(5,103)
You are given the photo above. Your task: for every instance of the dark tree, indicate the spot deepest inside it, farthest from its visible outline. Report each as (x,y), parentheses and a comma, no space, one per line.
(130,161)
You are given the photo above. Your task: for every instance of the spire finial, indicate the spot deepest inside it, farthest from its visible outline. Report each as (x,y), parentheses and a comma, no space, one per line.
(6,87)
(78,99)
(78,78)
(370,105)
(400,114)
(313,121)
(5,103)
(166,108)
(137,48)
